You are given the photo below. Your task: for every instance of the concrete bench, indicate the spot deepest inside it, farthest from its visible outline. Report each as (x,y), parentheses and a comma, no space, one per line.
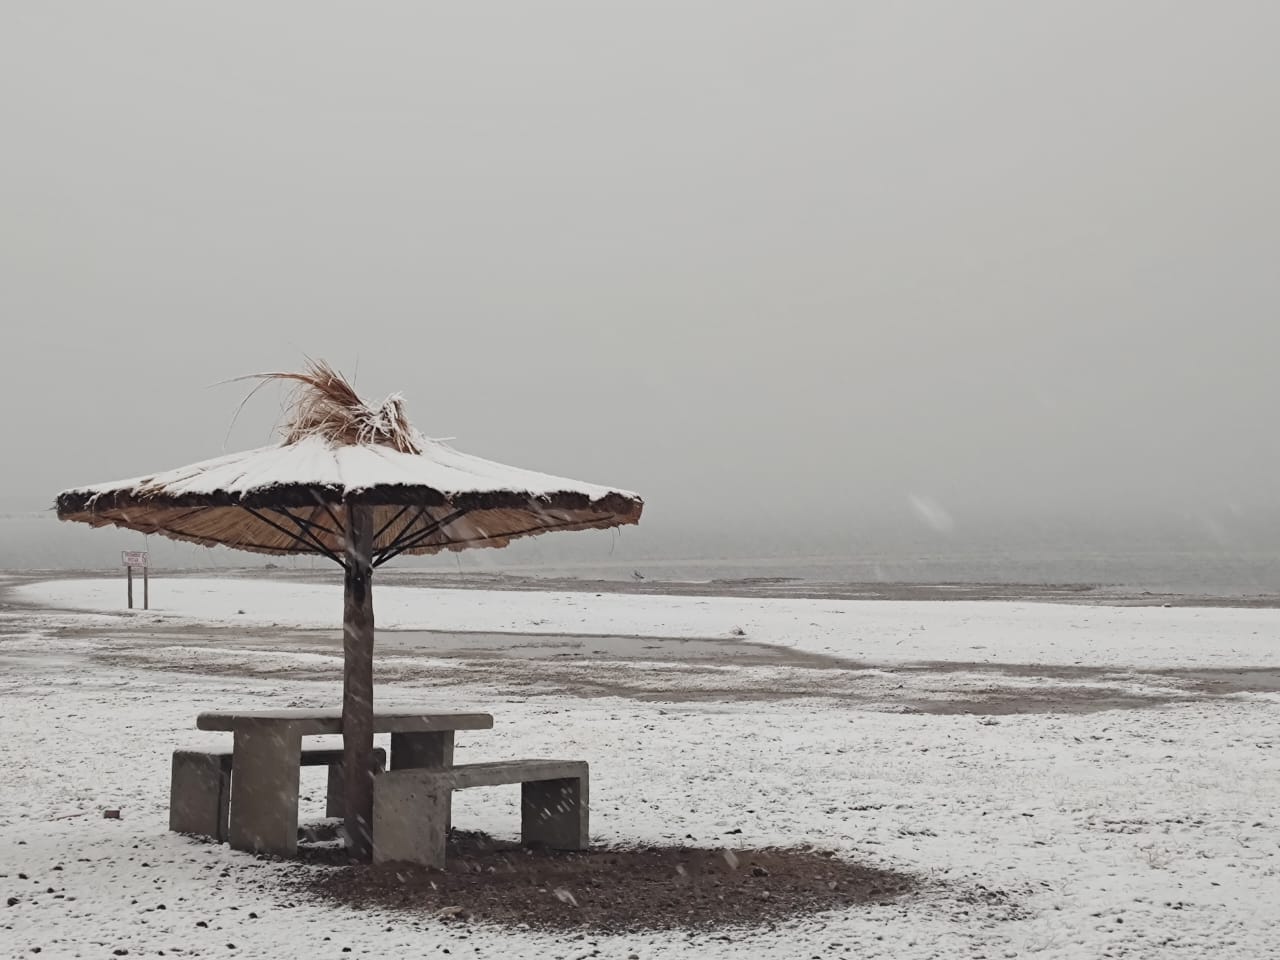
(200,787)
(411,807)
(267,753)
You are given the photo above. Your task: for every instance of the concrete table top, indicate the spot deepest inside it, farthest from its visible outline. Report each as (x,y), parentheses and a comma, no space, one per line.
(328,720)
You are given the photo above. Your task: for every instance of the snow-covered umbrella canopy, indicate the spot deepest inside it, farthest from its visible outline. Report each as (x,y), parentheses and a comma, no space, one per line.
(357,483)
(425,496)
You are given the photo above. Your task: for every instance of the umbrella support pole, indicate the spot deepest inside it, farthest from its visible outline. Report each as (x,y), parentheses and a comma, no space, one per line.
(357,680)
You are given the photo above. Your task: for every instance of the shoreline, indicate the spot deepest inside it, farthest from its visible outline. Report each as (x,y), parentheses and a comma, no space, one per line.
(1087,594)
(971,657)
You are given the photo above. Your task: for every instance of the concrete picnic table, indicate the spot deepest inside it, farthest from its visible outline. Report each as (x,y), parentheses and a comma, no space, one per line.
(266,756)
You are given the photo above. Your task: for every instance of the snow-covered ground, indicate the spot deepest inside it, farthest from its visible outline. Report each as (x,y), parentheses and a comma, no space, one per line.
(874,630)
(1149,831)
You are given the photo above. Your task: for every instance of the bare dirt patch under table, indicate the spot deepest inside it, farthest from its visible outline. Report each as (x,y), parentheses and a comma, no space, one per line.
(613,889)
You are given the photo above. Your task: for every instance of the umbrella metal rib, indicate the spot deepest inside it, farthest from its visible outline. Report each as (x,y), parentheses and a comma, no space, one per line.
(396,516)
(304,539)
(309,526)
(313,524)
(405,542)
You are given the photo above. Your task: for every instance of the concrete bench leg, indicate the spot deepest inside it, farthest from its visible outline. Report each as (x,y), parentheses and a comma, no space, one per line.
(334,803)
(200,794)
(431,750)
(264,800)
(553,813)
(410,823)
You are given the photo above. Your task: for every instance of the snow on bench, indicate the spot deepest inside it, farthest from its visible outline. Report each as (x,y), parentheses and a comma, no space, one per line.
(411,807)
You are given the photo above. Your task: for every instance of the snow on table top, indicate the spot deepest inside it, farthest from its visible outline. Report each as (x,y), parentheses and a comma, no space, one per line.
(878,631)
(314,462)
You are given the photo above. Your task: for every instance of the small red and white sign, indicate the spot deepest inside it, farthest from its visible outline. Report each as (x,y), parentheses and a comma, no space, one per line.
(135,558)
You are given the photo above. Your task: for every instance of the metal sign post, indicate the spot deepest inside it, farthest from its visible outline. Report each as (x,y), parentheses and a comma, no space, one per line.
(142,559)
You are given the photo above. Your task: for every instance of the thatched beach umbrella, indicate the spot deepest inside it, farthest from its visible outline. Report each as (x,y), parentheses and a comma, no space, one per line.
(356,483)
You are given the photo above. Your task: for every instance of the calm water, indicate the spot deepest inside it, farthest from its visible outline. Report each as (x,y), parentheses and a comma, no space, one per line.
(1193,573)
(40,542)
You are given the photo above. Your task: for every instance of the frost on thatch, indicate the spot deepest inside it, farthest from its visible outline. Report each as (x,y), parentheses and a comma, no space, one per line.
(337,450)
(324,404)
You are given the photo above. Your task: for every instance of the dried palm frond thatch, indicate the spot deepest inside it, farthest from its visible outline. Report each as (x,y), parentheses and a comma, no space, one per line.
(324,404)
(335,447)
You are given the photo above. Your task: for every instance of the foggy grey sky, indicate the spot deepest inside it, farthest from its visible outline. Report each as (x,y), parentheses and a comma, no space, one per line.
(744,258)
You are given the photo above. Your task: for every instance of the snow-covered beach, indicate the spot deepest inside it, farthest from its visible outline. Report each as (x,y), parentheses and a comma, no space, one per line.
(1105,776)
